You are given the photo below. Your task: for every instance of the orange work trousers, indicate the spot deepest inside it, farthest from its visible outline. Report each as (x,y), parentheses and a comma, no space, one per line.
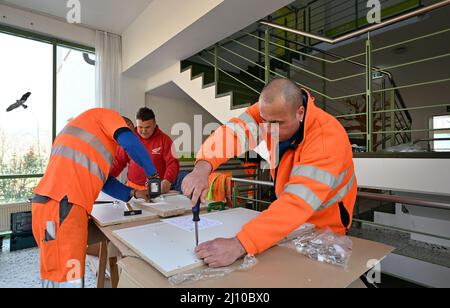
(63,257)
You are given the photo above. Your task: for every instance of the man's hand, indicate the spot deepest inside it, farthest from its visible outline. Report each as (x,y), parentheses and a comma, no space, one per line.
(195,185)
(220,252)
(165,186)
(142,194)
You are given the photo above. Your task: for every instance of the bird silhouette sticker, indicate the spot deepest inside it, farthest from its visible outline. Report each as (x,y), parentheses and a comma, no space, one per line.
(20,103)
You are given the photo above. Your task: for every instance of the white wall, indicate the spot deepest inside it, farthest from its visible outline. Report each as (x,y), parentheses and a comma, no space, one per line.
(48,26)
(162,36)
(158,23)
(132,96)
(220,107)
(171,105)
(427,176)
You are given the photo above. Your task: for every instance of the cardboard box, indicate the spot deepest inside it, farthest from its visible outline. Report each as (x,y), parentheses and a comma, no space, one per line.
(278,267)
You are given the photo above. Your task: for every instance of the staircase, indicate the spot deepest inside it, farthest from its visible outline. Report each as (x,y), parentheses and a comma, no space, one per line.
(235,85)
(233,72)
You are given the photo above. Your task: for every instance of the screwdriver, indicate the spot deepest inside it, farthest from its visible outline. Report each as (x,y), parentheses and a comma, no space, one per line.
(196,219)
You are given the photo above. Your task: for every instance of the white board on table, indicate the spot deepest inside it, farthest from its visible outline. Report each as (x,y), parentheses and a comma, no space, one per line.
(109,214)
(171,249)
(104,197)
(170,205)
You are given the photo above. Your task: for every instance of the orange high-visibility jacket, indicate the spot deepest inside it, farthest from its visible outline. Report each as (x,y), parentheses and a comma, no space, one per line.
(315,179)
(81,158)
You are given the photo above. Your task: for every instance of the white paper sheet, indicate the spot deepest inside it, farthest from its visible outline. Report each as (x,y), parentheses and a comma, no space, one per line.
(186,223)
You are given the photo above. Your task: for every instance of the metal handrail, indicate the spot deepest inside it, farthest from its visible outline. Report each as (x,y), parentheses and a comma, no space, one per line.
(428,141)
(330,54)
(413,85)
(320,93)
(411,108)
(241,56)
(262,183)
(411,131)
(404,200)
(239,68)
(377,91)
(315,74)
(401,119)
(362,31)
(370,223)
(231,76)
(383,71)
(432,139)
(371,196)
(372,28)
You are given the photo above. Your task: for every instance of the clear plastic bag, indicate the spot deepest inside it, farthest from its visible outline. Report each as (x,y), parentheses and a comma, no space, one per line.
(405,148)
(249,262)
(211,273)
(205,274)
(323,246)
(358,149)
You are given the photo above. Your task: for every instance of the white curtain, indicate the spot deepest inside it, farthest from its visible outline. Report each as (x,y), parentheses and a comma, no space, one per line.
(108,70)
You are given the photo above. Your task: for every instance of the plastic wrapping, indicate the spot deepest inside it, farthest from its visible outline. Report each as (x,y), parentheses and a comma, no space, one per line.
(211,273)
(205,274)
(249,262)
(323,246)
(405,148)
(358,149)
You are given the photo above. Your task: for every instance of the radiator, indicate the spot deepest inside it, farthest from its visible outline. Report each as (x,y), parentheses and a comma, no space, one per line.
(5,213)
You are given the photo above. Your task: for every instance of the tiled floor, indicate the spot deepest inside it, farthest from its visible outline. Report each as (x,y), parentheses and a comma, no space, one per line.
(20,269)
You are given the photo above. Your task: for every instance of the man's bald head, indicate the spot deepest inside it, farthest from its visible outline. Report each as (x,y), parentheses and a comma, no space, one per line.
(282,88)
(281,103)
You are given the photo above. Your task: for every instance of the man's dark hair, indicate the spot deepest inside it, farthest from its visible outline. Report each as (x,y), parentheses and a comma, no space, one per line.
(129,122)
(145,114)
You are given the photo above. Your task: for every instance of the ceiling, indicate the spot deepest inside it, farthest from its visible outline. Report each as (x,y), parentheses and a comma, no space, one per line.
(107,15)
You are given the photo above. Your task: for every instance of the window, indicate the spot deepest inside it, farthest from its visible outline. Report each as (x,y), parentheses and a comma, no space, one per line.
(27,65)
(75,84)
(25,134)
(441,123)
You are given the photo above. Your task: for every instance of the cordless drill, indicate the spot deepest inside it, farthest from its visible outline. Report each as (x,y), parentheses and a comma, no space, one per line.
(154,186)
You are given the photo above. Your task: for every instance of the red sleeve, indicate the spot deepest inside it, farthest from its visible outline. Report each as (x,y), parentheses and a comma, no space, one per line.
(172,163)
(121,160)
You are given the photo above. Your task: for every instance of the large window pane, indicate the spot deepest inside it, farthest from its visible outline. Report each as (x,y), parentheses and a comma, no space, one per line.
(75,84)
(25,134)
(442,122)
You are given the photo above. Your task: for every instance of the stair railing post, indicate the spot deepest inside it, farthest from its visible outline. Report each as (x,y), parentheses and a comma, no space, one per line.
(216,64)
(369,84)
(260,71)
(324,83)
(287,53)
(392,117)
(304,29)
(267,54)
(309,25)
(383,108)
(296,26)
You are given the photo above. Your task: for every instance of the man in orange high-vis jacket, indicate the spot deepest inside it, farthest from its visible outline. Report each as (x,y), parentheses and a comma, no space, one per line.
(81,159)
(314,179)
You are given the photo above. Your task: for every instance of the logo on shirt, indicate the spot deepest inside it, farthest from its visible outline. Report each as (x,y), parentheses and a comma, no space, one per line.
(156,151)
